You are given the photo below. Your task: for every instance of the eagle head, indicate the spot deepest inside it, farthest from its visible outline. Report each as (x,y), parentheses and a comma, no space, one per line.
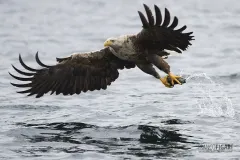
(115,42)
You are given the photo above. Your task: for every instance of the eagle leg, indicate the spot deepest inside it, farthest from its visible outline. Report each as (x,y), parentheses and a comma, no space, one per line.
(163,65)
(148,68)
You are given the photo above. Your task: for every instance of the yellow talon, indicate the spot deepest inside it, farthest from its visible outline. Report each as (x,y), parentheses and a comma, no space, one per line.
(165,82)
(174,78)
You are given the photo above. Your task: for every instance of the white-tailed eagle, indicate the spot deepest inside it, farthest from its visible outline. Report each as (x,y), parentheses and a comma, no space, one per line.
(96,70)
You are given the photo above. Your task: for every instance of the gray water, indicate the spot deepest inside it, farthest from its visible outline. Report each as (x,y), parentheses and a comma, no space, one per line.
(136,117)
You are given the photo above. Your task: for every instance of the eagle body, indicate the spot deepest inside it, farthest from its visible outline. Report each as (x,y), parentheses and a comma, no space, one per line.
(82,72)
(125,48)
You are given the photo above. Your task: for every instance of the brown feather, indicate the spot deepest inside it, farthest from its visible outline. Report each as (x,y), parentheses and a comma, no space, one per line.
(72,75)
(166,18)
(149,15)
(158,16)
(160,37)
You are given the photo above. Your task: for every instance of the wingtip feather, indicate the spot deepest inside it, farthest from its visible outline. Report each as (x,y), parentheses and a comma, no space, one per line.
(143,19)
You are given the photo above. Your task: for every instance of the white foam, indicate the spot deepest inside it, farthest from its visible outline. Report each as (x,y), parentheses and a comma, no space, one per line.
(210,96)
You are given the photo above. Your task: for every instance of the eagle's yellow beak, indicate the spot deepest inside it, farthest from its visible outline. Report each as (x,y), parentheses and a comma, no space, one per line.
(107,43)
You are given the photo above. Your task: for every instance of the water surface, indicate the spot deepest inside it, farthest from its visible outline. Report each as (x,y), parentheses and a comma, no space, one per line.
(136,117)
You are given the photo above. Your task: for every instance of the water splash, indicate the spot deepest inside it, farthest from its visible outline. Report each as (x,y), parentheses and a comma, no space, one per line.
(211,98)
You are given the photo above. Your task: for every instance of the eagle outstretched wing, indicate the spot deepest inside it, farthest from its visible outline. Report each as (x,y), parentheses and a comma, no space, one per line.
(74,74)
(159,35)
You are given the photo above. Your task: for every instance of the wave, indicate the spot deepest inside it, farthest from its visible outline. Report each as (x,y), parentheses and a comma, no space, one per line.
(135,140)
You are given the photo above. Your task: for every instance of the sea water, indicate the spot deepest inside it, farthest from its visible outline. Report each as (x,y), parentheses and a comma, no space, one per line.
(212,99)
